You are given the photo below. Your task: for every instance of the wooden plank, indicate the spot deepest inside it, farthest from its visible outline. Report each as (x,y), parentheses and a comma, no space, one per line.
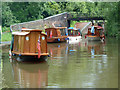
(32,42)
(22,44)
(36,41)
(14,44)
(19,44)
(26,44)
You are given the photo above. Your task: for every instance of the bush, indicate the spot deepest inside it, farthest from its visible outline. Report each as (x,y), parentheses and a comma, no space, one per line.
(5,29)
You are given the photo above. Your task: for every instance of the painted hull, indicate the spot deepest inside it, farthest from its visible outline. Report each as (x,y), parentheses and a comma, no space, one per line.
(27,57)
(93,38)
(57,39)
(73,39)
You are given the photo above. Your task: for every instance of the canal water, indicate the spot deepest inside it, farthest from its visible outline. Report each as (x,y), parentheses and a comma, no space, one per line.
(81,65)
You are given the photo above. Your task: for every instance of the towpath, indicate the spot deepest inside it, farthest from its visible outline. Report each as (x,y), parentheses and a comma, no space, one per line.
(83,26)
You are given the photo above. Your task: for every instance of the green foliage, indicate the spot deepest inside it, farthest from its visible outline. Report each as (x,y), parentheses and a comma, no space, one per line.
(5,29)
(17,12)
(7,16)
(6,37)
(111,16)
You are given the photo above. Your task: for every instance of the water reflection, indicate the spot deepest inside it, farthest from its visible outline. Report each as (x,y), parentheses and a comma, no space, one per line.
(92,52)
(80,65)
(30,75)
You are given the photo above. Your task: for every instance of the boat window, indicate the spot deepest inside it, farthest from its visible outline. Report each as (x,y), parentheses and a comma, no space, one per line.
(62,32)
(73,33)
(70,32)
(77,32)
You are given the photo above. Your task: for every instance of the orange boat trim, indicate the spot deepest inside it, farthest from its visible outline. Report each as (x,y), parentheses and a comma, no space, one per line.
(31,54)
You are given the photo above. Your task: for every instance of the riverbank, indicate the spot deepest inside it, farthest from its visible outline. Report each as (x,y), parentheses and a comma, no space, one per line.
(5,43)
(6,36)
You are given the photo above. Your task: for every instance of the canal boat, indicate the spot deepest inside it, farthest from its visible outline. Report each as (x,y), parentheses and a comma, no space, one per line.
(74,36)
(29,44)
(99,34)
(56,34)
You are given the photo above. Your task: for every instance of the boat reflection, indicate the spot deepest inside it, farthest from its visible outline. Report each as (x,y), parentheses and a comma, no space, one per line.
(56,49)
(61,50)
(29,75)
(96,48)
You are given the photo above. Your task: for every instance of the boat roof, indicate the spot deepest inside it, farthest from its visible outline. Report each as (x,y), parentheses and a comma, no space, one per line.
(56,28)
(20,33)
(26,29)
(73,29)
(44,34)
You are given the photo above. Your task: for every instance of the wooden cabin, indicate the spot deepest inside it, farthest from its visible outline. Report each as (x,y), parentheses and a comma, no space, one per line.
(73,32)
(26,42)
(99,34)
(57,34)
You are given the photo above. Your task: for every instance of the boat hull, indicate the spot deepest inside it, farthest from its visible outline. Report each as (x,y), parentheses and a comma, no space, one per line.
(56,39)
(73,39)
(93,38)
(27,56)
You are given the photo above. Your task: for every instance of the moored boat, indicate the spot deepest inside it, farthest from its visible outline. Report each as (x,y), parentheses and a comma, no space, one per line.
(99,34)
(57,34)
(29,44)
(73,36)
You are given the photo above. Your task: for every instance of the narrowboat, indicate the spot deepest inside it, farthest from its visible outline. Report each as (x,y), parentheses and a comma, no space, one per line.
(29,44)
(99,34)
(74,36)
(57,34)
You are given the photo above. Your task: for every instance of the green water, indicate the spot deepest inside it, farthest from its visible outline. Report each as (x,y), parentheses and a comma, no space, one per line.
(81,65)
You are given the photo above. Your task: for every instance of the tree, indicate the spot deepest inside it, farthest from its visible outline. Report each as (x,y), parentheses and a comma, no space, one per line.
(7,16)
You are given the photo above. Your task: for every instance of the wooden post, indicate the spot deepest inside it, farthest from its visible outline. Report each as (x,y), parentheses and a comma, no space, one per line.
(0,34)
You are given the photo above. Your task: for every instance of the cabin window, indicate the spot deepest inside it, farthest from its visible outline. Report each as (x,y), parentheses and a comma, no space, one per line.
(62,32)
(43,38)
(73,33)
(76,32)
(27,38)
(69,32)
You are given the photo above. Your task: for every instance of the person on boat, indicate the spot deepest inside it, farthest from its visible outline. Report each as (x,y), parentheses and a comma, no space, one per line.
(92,52)
(92,29)
(54,25)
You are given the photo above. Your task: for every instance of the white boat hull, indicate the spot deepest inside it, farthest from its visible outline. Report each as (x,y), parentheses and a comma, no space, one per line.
(73,39)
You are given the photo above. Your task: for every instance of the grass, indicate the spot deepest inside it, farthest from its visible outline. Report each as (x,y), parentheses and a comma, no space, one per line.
(6,37)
